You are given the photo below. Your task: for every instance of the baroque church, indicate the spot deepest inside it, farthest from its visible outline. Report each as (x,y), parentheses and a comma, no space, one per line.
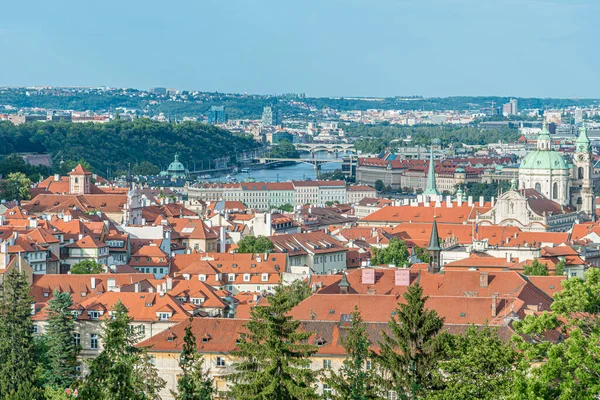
(550,194)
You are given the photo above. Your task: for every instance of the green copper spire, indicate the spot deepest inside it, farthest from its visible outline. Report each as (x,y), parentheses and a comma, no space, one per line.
(431,186)
(434,240)
(583,142)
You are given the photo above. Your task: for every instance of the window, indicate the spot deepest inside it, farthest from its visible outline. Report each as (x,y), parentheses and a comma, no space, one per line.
(573,274)
(94,341)
(265,277)
(202,278)
(392,395)
(163,316)
(555,191)
(221,362)
(77,339)
(141,329)
(94,314)
(246,277)
(35,329)
(368,365)
(326,364)
(326,391)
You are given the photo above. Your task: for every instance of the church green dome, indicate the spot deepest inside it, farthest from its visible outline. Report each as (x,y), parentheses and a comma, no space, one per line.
(541,159)
(176,168)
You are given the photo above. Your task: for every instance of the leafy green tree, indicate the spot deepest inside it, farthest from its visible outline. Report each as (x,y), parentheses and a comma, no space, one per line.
(535,269)
(54,393)
(62,349)
(145,168)
(86,267)
(395,253)
(285,208)
(284,149)
(356,380)
(18,374)
(379,185)
(477,365)
(274,356)
(16,187)
(567,368)
(422,254)
(121,370)
(253,244)
(559,269)
(193,383)
(410,353)
(70,165)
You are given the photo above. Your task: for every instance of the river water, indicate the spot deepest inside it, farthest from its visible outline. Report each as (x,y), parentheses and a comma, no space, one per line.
(297,172)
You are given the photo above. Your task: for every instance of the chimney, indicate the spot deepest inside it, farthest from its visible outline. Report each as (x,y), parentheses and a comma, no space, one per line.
(508,257)
(56,177)
(460,200)
(470,201)
(483,279)
(448,201)
(169,284)
(137,287)
(93,282)
(33,223)
(493,201)
(80,236)
(494,304)
(67,217)
(5,255)
(222,240)
(481,202)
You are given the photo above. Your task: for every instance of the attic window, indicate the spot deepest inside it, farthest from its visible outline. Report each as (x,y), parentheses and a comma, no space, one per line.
(462,314)
(234,265)
(551,287)
(171,337)
(331,311)
(219,265)
(253,265)
(206,338)
(320,342)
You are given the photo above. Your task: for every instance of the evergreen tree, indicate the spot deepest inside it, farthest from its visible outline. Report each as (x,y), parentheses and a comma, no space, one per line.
(356,379)
(62,351)
(409,354)
(18,375)
(121,371)
(273,355)
(193,383)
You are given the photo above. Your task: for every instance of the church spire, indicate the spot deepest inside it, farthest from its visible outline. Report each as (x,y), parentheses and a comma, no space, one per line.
(434,249)
(583,142)
(431,186)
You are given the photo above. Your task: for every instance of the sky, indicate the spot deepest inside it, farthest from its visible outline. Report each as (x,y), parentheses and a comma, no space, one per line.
(525,48)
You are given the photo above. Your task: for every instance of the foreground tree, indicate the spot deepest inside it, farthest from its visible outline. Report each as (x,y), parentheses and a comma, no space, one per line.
(296,292)
(62,351)
(18,376)
(477,365)
(563,345)
(253,244)
(356,380)
(274,356)
(409,354)
(193,383)
(396,253)
(87,267)
(16,187)
(121,371)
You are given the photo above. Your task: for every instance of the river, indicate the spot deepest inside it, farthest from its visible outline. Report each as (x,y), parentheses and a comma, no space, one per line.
(297,172)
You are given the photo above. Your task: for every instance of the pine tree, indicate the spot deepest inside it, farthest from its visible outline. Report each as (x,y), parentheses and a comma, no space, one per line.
(18,377)
(62,350)
(121,371)
(356,380)
(193,383)
(274,358)
(410,352)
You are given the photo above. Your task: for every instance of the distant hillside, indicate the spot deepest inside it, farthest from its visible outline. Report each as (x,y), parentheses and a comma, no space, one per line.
(113,145)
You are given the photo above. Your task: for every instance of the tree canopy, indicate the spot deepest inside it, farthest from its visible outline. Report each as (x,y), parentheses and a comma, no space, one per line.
(395,253)
(253,244)
(284,149)
(86,267)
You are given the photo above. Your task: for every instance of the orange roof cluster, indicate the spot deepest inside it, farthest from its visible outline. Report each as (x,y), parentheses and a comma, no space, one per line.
(421,214)
(304,243)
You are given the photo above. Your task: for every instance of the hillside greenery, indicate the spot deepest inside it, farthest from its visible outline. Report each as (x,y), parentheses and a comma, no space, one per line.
(114,145)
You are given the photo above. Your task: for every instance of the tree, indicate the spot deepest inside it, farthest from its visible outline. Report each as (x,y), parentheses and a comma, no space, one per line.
(536,269)
(395,253)
(284,149)
(379,185)
(477,365)
(286,208)
(87,267)
(274,356)
(253,244)
(562,344)
(410,352)
(296,292)
(121,370)
(62,350)
(559,269)
(193,383)
(356,380)
(422,254)
(18,375)
(16,187)
(145,168)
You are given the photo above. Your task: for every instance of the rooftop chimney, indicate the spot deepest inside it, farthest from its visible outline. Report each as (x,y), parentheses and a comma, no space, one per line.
(169,284)
(470,200)
(493,201)
(137,287)
(494,304)
(93,282)
(56,177)
(481,202)
(483,279)
(222,240)
(67,217)
(33,223)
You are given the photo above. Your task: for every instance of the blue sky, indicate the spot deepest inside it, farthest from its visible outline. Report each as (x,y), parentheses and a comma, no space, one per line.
(529,48)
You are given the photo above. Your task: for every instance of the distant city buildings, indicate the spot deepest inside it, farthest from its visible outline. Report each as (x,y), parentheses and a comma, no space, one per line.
(271,116)
(510,108)
(217,115)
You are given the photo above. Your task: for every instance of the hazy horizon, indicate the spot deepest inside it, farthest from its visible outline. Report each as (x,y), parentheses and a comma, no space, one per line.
(333,48)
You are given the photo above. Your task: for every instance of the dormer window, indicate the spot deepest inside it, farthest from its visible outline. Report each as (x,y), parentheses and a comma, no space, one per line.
(206,338)
(246,277)
(164,316)
(94,314)
(264,277)
(202,278)
(320,342)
